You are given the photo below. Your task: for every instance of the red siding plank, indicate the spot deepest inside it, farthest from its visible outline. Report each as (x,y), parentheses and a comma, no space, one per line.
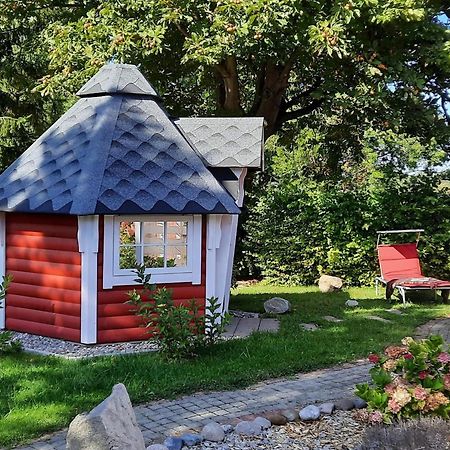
(125,334)
(42,329)
(43,258)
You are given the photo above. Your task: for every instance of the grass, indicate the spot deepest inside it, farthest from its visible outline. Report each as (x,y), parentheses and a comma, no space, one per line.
(41,394)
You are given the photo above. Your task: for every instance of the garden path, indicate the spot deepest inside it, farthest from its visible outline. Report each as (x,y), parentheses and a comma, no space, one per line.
(191,412)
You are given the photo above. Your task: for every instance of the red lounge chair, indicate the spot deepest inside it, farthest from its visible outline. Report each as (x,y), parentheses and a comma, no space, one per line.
(400,268)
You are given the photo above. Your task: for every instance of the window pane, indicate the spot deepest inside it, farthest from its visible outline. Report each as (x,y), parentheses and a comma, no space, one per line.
(177,233)
(153,232)
(128,257)
(176,256)
(154,256)
(127,233)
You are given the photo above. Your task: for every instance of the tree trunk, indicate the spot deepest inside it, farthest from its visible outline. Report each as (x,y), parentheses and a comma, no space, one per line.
(229,97)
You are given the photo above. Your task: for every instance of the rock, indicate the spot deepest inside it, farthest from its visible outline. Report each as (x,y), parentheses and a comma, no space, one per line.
(394,311)
(290,414)
(191,439)
(326,408)
(248,428)
(157,447)
(263,423)
(277,305)
(310,412)
(344,404)
(212,431)
(351,303)
(328,283)
(173,443)
(332,319)
(227,428)
(276,418)
(359,403)
(111,424)
(378,318)
(309,326)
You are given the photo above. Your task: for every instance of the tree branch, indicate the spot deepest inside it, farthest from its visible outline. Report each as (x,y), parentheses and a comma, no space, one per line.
(295,100)
(291,115)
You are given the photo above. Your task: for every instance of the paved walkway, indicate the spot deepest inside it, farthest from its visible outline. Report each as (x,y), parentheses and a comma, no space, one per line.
(242,327)
(160,418)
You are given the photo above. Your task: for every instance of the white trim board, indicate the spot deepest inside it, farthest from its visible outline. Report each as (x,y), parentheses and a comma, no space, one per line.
(88,247)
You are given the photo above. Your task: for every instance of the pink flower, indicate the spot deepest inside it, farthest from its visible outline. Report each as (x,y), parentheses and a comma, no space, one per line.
(420,393)
(443,358)
(373,358)
(376,417)
(447,381)
(390,388)
(423,374)
(393,406)
(408,356)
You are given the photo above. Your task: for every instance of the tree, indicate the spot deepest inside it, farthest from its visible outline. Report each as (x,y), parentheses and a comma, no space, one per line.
(280,59)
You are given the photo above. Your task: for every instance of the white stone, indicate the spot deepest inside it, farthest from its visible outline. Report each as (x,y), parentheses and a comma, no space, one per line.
(248,428)
(351,303)
(277,305)
(326,408)
(110,425)
(212,431)
(328,283)
(309,326)
(263,423)
(310,412)
(157,447)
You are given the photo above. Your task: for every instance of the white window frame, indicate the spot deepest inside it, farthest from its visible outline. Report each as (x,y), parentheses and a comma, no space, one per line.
(114,276)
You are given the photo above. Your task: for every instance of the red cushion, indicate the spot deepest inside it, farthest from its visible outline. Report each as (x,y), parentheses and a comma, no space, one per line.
(399,261)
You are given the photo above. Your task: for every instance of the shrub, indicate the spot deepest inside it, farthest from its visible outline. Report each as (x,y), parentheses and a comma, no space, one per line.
(408,381)
(426,433)
(7,343)
(180,330)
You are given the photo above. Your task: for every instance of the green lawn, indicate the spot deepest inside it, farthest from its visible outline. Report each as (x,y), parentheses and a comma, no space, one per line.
(41,394)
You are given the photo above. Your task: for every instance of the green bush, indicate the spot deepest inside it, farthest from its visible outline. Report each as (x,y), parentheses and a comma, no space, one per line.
(302,223)
(180,330)
(7,343)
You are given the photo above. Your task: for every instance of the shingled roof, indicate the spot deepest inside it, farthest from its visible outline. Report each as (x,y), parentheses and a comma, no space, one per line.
(226,142)
(116,151)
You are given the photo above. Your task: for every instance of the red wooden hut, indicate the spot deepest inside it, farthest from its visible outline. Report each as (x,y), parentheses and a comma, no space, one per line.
(114,182)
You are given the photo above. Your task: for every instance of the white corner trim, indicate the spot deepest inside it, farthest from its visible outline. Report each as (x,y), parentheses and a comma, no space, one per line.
(88,247)
(240,174)
(190,274)
(213,236)
(2,267)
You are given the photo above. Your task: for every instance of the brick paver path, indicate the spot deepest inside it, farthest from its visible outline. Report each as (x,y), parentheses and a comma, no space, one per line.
(190,412)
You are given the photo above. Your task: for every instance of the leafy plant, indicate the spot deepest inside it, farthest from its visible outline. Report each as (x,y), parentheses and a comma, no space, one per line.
(180,330)
(408,381)
(7,343)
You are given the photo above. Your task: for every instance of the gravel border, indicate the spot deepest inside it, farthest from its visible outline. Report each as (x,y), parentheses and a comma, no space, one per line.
(47,346)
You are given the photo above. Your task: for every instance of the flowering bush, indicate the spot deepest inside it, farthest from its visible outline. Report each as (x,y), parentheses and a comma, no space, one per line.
(409,380)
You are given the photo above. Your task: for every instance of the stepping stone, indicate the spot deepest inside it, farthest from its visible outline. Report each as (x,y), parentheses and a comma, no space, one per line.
(380,319)
(352,303)
(246,327)
(394,311)
(272,325)
(309,326)
(332,319)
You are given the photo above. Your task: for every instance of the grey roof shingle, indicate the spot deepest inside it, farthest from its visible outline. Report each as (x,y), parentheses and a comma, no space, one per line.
(113,154)
(226,142)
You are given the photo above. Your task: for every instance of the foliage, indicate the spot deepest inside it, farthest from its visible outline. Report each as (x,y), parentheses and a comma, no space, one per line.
(180,330)
(426,433)
(7,344)
(303,221)
(409,380)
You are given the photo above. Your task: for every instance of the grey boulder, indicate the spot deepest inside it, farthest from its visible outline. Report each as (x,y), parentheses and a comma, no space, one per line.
(351,303)
(227,428)
(326,408)
(328,283)
(308,413)
(248,428)
(111,424)
(263,422)
(213,432)
(157,447)
(277,305)
(359,403)
(344,404)
(174,443)
(290,414)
